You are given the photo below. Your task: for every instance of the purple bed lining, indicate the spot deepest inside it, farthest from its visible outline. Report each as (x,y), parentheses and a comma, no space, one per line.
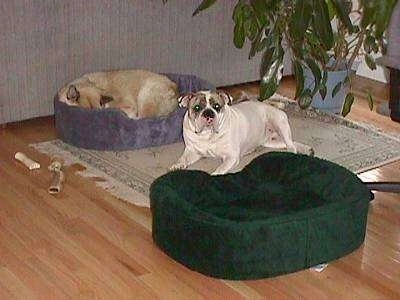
(110,129)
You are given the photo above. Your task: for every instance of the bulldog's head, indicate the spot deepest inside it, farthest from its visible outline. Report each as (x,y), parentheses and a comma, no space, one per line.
(206,108)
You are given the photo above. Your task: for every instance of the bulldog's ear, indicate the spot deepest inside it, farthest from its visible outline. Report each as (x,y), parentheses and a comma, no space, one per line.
(225,96)
(183,101)
(73,93)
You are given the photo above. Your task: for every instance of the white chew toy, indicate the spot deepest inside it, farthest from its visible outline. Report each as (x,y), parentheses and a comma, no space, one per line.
(31,164)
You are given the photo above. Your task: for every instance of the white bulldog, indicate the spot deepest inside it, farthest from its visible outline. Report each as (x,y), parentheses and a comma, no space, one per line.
(212,127)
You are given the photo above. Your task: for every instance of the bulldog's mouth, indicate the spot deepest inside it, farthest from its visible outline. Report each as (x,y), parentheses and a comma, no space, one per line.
(206,124)
(199,132)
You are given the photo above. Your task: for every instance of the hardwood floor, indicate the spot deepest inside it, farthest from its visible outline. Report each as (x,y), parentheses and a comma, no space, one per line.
(86,244)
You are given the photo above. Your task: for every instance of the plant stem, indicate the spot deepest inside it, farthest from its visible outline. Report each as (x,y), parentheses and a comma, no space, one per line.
(357,49)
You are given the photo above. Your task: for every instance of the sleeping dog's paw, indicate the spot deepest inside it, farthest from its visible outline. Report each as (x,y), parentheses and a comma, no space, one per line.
(178,166)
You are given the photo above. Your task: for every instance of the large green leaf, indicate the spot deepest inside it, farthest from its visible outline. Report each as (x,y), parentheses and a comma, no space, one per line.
(370,100)
(204,5)
(238,11)
(266,61)
(322,24)
(323,91)
(272,63)
(247,11)
(255,44)
(299,76)
(369,43)
(260,10)
(341,7)
(368,13)
(331,9)
(250,28)
(324,77)
(238,35)
(268,88)
(336,89)
(370,62)
(305,99)
(300,20)
(265,43)
(316,73)
(348,102)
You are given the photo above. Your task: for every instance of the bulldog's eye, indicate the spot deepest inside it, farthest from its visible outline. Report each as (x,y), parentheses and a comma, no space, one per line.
(196,108)
(217,107)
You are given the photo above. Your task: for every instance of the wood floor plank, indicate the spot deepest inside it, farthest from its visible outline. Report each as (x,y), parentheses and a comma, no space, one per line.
(274,289)
(11,287)
(244,289)
(39,286)
(169,287)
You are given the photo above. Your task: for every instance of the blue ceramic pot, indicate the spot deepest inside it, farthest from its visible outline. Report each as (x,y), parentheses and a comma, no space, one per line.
(332,104)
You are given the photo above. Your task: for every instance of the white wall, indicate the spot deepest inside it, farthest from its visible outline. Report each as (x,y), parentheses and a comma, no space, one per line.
(380,74)
(45,44)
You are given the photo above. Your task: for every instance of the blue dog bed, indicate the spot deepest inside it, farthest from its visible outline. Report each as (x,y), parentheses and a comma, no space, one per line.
(282,213)
(110,129)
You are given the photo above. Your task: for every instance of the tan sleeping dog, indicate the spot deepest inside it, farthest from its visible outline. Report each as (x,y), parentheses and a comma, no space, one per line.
(138,93)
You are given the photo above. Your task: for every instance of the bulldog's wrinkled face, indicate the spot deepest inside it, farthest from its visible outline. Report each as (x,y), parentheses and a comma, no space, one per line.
(205,109)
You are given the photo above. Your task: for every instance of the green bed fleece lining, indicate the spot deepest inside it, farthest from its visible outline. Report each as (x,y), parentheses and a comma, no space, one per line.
(282,213)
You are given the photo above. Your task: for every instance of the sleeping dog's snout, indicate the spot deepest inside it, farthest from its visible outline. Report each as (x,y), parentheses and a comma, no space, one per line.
(209,115)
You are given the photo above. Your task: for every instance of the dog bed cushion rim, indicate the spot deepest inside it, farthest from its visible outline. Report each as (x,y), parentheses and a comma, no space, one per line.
(113,110)
(198,214)
(206,217)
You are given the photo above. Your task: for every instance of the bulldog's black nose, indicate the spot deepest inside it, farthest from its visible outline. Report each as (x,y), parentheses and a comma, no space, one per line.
(208,114)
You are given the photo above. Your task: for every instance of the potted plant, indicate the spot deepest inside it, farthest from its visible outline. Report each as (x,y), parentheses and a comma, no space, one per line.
(323,36)
(358,31)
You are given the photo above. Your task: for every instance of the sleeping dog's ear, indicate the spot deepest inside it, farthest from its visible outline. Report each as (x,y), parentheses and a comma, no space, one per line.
(183,101)
(105,99)
(225,96)
(73,93)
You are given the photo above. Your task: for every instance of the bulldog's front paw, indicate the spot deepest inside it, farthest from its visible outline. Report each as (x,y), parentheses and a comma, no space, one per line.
(178,166)
(217,172)
(305,149)
(311,152)
(226,166)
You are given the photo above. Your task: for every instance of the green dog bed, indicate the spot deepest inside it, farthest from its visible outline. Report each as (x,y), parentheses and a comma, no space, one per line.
(282,213)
